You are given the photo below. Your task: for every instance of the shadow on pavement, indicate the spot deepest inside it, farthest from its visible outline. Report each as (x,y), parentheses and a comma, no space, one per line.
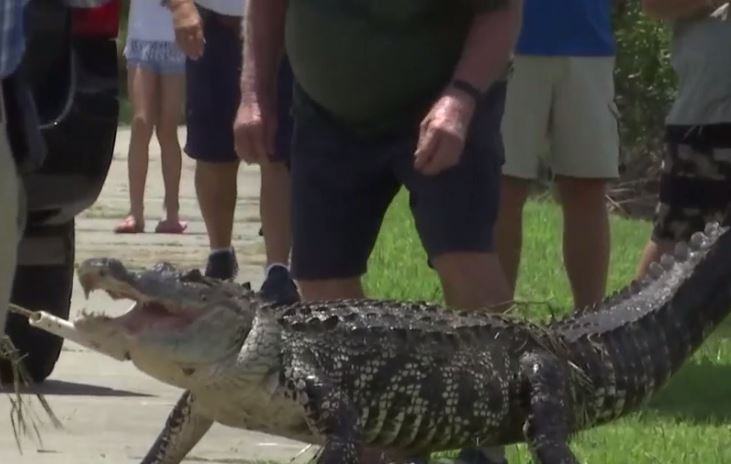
(62,388)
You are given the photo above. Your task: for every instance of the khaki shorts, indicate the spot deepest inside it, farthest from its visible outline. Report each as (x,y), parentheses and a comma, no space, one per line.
(9,196)
(561,108)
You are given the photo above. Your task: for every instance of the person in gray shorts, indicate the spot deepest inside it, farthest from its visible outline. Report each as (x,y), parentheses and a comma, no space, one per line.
(695,179)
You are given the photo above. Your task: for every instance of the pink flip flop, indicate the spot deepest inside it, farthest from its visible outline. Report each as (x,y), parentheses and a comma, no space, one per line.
(170,227)
(130,226)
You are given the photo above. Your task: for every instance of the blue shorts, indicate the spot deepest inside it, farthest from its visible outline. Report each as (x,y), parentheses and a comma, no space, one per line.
(213,94)
(157,57)
(342,185)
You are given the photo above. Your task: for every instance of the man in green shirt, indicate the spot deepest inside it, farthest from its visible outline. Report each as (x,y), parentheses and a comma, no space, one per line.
(388,93)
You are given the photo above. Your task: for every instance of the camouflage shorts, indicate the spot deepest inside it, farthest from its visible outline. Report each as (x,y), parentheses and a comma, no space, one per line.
(695,181)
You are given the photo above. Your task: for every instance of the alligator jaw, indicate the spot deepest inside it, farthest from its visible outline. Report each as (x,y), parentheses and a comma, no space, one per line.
(143,317)
(147,314)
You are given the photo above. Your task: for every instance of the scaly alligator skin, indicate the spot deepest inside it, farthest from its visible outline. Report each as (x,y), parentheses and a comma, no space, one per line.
(408,377)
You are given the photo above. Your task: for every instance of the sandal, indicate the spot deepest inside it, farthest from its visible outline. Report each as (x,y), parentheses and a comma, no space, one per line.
(130,226)
(170,227)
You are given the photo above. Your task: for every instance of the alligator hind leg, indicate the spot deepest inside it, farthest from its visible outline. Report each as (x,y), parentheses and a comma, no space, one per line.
(547,430)
(183,429)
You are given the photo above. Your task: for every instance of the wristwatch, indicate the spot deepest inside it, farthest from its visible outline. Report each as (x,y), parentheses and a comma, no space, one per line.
(469,89)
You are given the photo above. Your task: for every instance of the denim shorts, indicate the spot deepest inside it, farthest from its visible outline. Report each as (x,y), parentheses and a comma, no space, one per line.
(158,57)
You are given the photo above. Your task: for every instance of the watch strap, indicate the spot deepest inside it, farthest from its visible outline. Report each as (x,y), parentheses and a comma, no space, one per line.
(468,88)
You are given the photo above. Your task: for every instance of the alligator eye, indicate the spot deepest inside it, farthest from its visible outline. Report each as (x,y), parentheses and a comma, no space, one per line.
(188,371)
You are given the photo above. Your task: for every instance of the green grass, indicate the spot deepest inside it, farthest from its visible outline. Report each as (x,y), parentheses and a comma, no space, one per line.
(688,422)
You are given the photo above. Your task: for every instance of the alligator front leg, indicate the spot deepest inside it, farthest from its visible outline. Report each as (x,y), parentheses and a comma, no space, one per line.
(332,415)
(546,430)
(183,429)
(328,411)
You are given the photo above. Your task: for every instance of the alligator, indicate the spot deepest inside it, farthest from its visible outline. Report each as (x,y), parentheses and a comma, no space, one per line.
(408,378)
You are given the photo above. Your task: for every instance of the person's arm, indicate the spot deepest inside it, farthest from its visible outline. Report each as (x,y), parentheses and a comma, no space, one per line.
(489,45)
(256,122)
(487,50)
(263,46)
(671,10)
(188,27)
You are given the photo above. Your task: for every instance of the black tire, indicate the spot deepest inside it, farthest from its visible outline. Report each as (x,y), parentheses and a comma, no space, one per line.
(45,288)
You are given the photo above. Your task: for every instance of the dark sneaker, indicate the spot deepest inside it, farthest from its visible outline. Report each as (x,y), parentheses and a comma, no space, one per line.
(222,265)
(279,287)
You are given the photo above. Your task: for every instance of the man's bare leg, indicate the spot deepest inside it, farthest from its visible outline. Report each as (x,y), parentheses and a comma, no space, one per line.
(509,227)
(653,251)
(216,189)
(586,238)
(473,281)
(275,212)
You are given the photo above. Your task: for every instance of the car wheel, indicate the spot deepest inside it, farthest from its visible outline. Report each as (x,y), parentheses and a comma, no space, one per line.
(45,288)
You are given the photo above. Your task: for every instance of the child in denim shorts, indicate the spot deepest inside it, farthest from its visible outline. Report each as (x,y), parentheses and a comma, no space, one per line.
(156,86)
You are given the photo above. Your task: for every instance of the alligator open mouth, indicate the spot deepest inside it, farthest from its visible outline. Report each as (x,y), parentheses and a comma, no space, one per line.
(145,316)
(153,315)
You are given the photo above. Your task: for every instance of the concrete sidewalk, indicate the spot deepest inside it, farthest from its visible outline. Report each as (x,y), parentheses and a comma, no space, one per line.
(110,412)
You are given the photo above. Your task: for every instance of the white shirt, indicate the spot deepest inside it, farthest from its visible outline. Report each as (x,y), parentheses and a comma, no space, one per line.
(224,7)
(149,20)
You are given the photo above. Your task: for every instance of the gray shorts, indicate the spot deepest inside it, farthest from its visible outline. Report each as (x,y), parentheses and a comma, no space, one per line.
(342,185)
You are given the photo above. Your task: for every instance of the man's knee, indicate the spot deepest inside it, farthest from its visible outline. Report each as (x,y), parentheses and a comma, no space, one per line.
(578,185)
(274,169)
(581,192)
(472,280)
(218,172)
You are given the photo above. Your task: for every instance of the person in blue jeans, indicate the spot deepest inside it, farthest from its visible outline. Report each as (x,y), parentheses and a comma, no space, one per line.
(210,34)
(560,100)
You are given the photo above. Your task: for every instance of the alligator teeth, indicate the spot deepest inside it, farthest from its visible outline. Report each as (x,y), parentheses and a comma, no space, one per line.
(667,262)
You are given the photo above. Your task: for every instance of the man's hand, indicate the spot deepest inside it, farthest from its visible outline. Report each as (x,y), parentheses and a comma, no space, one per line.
(254,129)
(188,27)
(443,132)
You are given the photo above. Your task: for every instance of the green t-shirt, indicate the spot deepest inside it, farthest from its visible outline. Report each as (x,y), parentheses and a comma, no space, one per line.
(375,64)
